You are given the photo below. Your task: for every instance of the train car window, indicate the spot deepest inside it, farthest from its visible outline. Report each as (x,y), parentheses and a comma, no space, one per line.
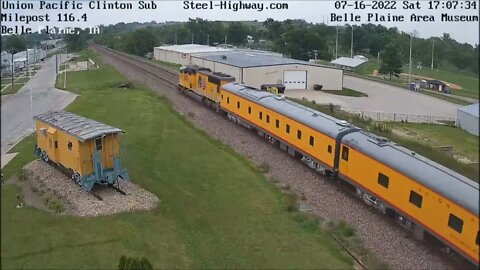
(98,144)
(268,118)
(415,199)
(228,100)
(277,123)
(312,141)
(260,115)
(383,180)
(238,104)
(455,223)
(299,134)
(287,128)
(329,149)
(249,110)
(70,145)
(222,96)
(56,144)
(345,153)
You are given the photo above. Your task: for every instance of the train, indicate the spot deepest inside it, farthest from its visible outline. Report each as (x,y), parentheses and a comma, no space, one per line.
(87,150)
(423,196)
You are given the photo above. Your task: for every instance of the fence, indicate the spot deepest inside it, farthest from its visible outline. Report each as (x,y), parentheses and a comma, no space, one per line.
(399,117)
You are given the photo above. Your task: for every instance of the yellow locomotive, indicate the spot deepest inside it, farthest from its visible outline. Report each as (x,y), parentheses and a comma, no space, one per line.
(87,149)
(423,196)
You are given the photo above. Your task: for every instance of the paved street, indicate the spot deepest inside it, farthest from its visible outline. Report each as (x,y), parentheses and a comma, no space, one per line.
(16,115)
(382,98)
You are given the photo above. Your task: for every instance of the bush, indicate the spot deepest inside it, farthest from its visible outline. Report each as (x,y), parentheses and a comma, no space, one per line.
(291,202)
(264,167)
(23,175)
(132,263)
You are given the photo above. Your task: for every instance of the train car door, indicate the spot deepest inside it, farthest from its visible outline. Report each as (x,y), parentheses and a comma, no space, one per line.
(344,159)
(97,158)
(52,151)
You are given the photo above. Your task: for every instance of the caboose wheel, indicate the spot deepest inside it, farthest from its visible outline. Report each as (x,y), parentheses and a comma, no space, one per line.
(45,156)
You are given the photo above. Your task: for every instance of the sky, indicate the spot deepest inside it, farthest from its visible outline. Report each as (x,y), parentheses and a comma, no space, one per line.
(311,11)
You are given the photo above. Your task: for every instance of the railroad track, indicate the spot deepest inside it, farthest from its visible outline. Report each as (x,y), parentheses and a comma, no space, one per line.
(167,76)
(170,78)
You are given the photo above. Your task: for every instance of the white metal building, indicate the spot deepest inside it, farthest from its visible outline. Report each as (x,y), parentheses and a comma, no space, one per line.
(254,68)
(467,118)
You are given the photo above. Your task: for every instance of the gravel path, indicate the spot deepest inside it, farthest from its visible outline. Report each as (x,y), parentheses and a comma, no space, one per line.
(379,234)
(50,182)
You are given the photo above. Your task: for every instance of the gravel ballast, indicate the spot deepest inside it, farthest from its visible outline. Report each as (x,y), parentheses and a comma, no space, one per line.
(379,234)
(49,182)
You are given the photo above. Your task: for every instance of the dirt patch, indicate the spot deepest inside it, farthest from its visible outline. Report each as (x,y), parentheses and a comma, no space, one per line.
(45,187)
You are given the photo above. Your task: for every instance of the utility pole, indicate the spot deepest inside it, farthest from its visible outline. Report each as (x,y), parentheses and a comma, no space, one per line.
(433,50)
(225,41)
(315,52)
(192,38)
(410,62)
(31,109)
(351,45)
(175,38)
(13,67)
(56,63)
(26,63)
(208,40)
(65,71)
(336,44)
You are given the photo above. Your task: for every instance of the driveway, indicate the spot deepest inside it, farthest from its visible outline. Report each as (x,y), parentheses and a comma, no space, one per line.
(382,98)
(17,119)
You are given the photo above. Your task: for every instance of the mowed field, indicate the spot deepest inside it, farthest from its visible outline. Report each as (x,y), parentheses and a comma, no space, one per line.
(217,210)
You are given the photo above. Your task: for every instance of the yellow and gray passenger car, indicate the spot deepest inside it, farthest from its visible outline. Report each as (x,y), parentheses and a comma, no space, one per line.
(423,196)
(87,149)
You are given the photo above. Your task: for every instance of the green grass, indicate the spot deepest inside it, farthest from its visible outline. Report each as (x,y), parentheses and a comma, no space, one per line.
(172,66)
(346,92)
(463,143)
(217,210)
(10,89)
(469,170)
(449,98)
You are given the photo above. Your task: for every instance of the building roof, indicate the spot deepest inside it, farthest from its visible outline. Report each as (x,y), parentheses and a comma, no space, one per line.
(436,82)
(246,59)
(349,62)
(82,128)
(470,109)
(191,48)
(50,41)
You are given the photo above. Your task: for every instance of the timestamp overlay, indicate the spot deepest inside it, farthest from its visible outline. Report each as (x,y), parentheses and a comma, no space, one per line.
(430,18)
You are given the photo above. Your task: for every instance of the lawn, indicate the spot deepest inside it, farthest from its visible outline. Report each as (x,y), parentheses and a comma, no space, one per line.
(167,64)
(10,90)
(217,210)
(346,92)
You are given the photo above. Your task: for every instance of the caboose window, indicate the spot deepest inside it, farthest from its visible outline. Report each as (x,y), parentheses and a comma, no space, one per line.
(416,199)
(268,118)
(329,149)
(98,144)
(345,153)
(287,128)
(238,104)
(277,123)
(456,223)
(299,134)
(69,145)
(249,110)
(228,100)
(260,115)
(56,144)
(383,180)
(312,141)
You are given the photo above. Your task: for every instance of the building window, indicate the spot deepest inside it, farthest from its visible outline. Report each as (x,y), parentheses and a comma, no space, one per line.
(277,123)
(456,223)
(238,104)
(268,118)
(312,141)
(70,145)
(415,199)
(383,180)
(56,144)
(228,100)
(299,134)
(249,110)
(98,144)
(329,149)
(287,128)
(345,153)
(260,115)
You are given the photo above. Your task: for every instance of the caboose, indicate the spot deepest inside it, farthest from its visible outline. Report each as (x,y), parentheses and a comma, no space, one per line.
(87,149)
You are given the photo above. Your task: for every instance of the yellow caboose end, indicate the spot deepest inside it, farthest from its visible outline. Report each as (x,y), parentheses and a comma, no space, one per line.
(87,149)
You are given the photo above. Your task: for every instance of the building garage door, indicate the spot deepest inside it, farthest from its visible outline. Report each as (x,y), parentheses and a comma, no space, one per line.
(295,79)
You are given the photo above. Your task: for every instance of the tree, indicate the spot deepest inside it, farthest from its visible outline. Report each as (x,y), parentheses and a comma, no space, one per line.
(16,43)
(77,40)
(140,42)
(391,61)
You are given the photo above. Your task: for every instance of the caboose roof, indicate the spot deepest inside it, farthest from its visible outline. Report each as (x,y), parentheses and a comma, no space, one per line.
(81,127)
